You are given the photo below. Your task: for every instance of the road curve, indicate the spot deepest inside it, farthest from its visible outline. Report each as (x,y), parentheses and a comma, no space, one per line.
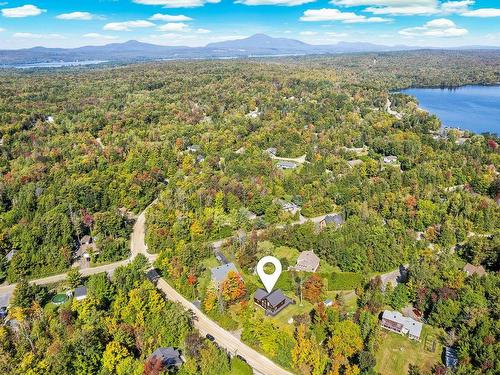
(205,325)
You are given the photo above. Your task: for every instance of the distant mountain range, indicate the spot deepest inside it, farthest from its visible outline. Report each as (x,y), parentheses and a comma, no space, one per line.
(256,45)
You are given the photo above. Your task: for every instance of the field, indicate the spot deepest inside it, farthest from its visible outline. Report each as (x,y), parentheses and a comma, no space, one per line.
(397,352)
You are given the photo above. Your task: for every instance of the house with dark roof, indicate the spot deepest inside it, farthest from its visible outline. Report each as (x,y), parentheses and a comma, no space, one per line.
(394,321)
(273,302)
(169,357)
(336,220)
(219,274)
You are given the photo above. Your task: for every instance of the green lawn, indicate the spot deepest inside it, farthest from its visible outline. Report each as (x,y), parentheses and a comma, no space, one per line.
(397,352)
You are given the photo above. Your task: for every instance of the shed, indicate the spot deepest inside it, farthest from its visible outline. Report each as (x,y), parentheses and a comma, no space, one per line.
(80,293)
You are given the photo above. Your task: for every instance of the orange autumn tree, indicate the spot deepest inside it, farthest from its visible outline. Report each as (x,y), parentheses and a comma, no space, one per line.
(313,289)
(232,287)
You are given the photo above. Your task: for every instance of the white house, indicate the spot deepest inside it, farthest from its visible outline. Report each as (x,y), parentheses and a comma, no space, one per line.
(394,321)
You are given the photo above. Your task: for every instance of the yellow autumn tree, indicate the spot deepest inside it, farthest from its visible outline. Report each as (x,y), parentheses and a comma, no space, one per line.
(345,341)
(307,356)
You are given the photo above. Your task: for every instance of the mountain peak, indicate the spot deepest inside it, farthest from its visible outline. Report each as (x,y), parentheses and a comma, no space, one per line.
(260,41)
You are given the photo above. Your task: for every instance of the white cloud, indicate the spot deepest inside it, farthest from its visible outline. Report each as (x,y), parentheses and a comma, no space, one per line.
(403,10)
(24,11)
(419,8)
(169,18)
(400,3)
(38,36)
(325,14)
(177,3)
(289,3)
(308,33)
(100,36)
(456,6)
(203,31)
(173,26)
(483,12)
(440,27)
(80,16)
(336,35)
(127,25)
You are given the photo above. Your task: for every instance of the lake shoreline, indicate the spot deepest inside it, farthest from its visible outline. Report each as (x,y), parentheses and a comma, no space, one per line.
(473,108)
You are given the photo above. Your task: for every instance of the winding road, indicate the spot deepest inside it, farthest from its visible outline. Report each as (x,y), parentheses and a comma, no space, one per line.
(260,363)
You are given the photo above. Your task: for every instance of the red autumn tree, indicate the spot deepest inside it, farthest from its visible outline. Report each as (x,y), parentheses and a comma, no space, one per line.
(192,279)
(233,287)
(313,289)
(153,366)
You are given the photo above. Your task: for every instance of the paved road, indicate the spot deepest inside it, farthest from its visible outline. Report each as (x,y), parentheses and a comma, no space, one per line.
(137,246)
(225,339)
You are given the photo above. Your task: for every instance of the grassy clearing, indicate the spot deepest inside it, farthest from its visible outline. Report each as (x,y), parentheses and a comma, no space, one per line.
(397,352)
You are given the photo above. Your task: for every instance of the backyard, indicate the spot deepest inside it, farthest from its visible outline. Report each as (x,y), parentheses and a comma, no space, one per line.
(397,352)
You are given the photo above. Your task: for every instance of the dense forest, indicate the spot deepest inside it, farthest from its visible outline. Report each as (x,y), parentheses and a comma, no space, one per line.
(83,151)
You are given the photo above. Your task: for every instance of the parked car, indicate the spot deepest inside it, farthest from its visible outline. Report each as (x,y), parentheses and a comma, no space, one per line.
(210,337)
(153,275)
(241,358)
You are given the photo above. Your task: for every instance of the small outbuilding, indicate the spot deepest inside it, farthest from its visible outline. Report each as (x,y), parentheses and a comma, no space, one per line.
(80,293)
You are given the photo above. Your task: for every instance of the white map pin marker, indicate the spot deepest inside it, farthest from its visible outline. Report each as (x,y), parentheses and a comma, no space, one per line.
(269,280)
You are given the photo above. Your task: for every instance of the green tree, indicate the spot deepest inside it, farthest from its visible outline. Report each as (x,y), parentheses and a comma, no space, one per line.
(73,278)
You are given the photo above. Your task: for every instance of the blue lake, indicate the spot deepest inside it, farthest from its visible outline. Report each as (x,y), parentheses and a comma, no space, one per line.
(59,64)
(475,108)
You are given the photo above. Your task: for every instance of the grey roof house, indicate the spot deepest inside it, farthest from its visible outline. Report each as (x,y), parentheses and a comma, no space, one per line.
(336,220)
(273,302)
(288,206)
(169,357)
(394,321)
(307,262)
(391,159)
(283,164)
(219,274)
(272,151)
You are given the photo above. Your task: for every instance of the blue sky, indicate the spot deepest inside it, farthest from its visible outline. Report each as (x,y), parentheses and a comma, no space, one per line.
(71,23)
